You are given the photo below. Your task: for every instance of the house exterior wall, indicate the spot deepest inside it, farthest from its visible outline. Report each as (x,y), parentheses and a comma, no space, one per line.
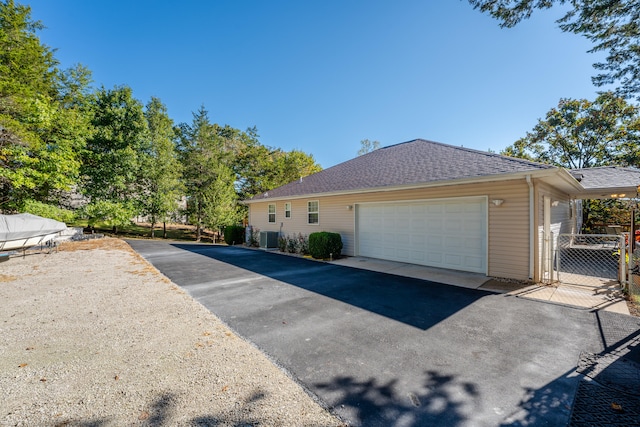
(508,224)
(560,222)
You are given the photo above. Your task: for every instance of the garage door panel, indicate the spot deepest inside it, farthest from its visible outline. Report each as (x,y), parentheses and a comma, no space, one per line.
(453,225)
(476,262)
(474,244)
(453,261)
(445,233)
(434,225)
(473,226)
(434,258)
(418,257)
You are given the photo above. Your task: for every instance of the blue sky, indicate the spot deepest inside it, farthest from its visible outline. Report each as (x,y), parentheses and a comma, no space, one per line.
(321,76)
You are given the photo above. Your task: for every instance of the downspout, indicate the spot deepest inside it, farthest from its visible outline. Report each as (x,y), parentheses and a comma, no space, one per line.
(531,225)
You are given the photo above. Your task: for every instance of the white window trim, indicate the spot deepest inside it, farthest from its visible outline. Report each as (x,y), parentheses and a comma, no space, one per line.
(269,213)
(317,213)
(287,210)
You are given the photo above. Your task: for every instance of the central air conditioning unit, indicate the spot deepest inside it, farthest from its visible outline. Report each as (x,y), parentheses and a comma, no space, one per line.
(268,239)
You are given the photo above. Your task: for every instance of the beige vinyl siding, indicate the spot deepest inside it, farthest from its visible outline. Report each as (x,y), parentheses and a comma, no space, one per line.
(561,221)
(508,230)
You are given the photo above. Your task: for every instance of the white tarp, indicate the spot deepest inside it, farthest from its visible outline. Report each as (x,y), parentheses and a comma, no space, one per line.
(25,230)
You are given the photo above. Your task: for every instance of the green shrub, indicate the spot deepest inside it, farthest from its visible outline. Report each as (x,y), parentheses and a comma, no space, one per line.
(233,234)
(282,244)
(323,245)
(296,244)
(292,244)
(49,211)
(255,237)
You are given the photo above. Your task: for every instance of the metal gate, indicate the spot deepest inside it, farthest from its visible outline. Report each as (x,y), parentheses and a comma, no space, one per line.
(594,260)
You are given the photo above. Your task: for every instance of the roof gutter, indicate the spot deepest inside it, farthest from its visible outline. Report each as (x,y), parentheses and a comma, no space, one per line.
(531,226)
(474,180)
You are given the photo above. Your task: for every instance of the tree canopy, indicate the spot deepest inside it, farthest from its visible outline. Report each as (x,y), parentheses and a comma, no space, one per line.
(40,136)
(613,26)
(60,138)
(162,186)
(582,134)
(367,146)
(211,197)
(114,155)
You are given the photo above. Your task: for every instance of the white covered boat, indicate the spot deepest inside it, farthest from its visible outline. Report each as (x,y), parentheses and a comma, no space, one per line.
(25,230)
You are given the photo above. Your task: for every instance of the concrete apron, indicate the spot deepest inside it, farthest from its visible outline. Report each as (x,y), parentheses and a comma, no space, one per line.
(439,275)
(570,295)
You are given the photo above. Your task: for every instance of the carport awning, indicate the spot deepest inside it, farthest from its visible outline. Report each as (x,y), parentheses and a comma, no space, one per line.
(607,182)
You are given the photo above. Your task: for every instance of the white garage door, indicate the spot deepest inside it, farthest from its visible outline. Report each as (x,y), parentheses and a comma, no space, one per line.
(450,233)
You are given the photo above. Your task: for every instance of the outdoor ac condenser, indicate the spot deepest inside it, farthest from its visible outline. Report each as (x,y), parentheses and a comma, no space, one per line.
(268,239)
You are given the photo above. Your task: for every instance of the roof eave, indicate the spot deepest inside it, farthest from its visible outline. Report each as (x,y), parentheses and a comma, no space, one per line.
(564,181)
(540,173)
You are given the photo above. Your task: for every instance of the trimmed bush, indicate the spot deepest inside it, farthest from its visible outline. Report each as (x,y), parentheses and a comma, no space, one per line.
(282,244)
(233,234)
(323,245)
(294,244)
(49,211)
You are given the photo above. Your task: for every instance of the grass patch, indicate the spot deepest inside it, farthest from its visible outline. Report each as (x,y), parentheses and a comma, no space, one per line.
(143,231)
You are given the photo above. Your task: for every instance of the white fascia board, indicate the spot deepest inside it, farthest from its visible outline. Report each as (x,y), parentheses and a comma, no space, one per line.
(474,180)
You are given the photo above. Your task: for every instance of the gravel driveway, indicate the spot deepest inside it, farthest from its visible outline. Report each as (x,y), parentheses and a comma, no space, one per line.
(94,336)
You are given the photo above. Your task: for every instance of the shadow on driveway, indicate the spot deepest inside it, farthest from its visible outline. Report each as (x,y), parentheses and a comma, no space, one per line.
(415,302)
(382,350)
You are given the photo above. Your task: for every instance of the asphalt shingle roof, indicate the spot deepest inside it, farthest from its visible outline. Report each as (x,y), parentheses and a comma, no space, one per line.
(607,176)
(409,163)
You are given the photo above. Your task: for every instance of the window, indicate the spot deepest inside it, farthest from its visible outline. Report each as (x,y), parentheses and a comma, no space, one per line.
(313,212)
(287,210)
(272,213)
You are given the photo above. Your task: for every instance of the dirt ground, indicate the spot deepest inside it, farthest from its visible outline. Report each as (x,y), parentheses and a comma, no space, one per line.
(94,335)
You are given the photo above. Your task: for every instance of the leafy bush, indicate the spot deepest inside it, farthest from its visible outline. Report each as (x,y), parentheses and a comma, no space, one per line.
(114,214)
(323,245)
(294,244)
(233,234)
(255,237)
(49,211)
(282,243)
(303,244)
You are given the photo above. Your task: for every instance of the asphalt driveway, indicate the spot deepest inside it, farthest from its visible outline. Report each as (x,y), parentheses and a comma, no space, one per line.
(383,350)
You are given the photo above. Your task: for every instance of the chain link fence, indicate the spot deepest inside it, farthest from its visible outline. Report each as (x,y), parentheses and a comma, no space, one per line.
(634,276)
(596,260)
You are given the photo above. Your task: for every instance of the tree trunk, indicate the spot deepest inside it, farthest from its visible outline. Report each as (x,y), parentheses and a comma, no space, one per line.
(164,230)
(153,230)
(198,222)
(114,230)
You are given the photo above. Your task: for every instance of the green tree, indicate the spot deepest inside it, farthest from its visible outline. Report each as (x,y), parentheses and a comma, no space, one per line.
(112,162)
(162,186)
(27,67)
(221,200)
(293,165)
(73,87)
(613,26)
(252,165)
(583,134)
(40,137)
(260,168)
(209,180)
(367,146)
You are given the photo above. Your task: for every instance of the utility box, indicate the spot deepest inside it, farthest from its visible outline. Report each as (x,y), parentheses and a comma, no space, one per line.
(268,239)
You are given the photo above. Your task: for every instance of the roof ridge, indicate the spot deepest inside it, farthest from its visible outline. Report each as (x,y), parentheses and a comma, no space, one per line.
(608,167)
(475,151)
(418,161)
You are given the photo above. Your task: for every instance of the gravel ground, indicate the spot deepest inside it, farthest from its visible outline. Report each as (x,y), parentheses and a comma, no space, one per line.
(92,335)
